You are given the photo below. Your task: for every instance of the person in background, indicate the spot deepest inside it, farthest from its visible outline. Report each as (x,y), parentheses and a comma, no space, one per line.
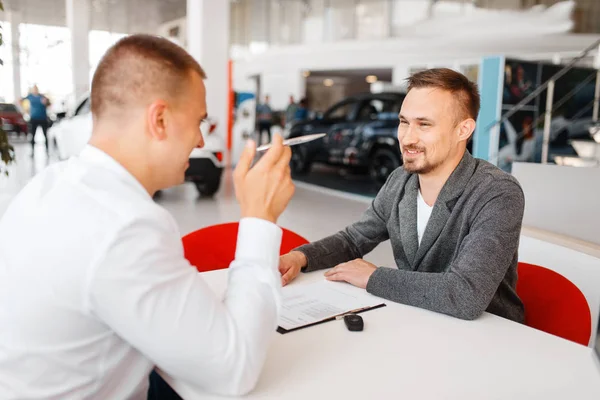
(527,152)
(38,117)
(94,287)
(302,111)
(264,119)
(290,111)
(521,86)
(454,221)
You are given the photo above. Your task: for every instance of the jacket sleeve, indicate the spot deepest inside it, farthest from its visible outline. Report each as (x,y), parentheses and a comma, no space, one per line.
(357,239)
(467,288)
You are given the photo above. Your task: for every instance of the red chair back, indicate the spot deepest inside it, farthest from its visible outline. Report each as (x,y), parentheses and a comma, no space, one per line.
(213,247)
(554,304)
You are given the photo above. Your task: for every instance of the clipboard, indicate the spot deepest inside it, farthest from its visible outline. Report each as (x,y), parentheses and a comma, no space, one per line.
(283,331)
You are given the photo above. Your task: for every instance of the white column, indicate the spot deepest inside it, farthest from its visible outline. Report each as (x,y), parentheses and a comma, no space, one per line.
(208,42)
(78,21)
(14,17)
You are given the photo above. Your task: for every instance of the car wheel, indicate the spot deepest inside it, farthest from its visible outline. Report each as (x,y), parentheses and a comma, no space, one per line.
(208,188)
(300,164)
(383,162)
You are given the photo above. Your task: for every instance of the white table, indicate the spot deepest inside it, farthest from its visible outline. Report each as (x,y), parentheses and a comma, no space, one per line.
(410,353)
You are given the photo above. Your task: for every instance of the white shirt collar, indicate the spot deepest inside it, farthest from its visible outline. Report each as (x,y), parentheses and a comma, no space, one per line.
(95,156)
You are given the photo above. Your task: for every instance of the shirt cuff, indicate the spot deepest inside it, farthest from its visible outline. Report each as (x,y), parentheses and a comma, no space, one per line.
(258,240)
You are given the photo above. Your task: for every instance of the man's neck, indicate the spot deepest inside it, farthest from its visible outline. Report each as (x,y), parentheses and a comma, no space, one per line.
(132,161)
(431,184)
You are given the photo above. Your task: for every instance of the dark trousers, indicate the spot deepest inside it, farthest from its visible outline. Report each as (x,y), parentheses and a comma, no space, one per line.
(160,390)
(264,127)
(34,125)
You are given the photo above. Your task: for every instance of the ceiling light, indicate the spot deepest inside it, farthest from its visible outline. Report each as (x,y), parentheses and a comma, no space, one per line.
(328,82)
(371,79)
(306,73)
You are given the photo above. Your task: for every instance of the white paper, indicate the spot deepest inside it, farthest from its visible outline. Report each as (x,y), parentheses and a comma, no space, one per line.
(306,304)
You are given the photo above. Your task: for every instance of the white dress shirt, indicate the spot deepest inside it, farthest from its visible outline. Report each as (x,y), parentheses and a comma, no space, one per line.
(95,291)
(423,214)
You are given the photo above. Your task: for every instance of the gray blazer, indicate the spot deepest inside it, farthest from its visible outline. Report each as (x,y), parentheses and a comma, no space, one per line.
(467,261)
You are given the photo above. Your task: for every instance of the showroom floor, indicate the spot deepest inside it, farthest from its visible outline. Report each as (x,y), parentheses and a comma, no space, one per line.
(314,212)
(340,179)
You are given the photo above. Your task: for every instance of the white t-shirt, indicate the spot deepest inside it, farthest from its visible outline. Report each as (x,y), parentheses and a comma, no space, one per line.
(423,214)
(95,291)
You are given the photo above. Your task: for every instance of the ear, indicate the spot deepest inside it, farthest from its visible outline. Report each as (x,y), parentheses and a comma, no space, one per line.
(157,119)
(465,129)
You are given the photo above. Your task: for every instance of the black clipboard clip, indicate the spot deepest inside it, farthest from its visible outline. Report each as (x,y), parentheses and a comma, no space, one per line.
(283,331)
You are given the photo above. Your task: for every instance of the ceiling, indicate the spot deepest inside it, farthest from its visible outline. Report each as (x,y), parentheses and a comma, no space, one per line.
(123,16)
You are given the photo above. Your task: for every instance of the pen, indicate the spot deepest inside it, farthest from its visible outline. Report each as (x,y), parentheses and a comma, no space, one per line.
(294,141)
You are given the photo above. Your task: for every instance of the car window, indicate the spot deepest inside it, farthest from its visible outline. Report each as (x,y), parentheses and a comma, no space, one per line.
(371,109)
(5,107)
(83,108)
(340,111)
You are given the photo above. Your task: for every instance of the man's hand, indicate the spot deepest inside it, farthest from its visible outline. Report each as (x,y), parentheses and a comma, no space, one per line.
(356,272)
(290,265)
(264,190)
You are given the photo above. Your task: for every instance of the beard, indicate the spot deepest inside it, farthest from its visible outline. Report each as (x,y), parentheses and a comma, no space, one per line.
(421,165)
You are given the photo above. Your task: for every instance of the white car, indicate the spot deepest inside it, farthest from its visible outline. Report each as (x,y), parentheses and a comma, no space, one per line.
(72,133)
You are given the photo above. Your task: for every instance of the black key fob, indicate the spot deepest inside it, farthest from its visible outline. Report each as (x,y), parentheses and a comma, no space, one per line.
(354,322)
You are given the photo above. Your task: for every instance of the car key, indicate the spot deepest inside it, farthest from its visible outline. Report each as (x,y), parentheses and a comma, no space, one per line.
(354,322)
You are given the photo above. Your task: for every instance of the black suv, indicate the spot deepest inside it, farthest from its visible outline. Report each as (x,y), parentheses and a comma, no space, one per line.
(361,134)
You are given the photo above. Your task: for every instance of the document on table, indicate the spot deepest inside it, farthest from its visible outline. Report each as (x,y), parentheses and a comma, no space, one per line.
(321,301)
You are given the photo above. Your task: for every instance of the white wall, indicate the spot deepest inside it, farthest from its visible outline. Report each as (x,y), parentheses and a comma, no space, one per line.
(564,200)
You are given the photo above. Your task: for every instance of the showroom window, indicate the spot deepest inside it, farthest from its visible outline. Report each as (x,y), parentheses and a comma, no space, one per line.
(286,22)
(340,20)
(373,19)
(313,23)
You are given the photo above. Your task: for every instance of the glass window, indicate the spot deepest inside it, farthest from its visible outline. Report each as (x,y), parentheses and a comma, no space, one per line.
(286,22)
(341,20)
(313,24)
(8,108)
(341,111)
(240,23)
(372,19)
(371,109)
(405,13)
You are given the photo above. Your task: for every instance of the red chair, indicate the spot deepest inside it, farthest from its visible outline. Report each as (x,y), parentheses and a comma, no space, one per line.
(213,247)
(553,304)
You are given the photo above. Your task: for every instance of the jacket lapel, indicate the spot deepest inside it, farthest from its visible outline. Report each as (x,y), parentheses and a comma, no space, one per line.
(453,188)
(407,211)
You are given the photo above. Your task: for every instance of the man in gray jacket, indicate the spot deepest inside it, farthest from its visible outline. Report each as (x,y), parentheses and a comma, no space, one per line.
(454,221)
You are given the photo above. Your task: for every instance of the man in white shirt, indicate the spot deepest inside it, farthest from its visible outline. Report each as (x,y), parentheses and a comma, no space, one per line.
(94,288)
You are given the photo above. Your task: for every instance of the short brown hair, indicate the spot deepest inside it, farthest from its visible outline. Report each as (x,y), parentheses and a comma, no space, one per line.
(138,67)
(464,91)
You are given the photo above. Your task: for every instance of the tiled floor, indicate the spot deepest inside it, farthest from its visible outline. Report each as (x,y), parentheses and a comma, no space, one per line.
(312,213)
